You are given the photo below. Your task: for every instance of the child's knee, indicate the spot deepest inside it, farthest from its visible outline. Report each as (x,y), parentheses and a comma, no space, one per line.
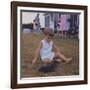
(57,54)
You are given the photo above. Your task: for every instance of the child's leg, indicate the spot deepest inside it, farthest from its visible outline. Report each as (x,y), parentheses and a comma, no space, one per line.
(61,56)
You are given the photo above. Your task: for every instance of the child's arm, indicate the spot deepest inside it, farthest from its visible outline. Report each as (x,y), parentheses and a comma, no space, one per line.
(37,53)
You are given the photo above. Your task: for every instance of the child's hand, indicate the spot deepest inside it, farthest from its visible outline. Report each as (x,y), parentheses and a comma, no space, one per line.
(33,61)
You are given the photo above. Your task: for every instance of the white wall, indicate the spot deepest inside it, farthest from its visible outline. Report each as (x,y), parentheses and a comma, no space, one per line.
(5,45)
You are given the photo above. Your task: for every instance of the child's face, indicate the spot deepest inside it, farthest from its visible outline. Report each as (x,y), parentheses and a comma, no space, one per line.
(49,37)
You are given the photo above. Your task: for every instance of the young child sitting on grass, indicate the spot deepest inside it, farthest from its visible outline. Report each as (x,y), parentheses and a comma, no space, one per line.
(47,50)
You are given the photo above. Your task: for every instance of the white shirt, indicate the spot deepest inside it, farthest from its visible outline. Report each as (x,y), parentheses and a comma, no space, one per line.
(46,50)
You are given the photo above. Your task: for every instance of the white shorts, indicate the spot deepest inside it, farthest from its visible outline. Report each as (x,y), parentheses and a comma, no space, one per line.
(49,56)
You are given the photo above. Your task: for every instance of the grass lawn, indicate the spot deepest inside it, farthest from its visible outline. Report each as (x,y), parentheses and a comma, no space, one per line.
(69,47)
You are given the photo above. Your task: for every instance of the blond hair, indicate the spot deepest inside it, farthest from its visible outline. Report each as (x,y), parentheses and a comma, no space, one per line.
(48,31)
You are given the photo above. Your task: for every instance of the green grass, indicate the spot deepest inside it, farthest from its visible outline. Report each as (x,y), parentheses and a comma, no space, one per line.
(29,43)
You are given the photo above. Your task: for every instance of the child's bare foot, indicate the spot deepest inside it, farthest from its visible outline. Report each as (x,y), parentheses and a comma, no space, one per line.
(68,60)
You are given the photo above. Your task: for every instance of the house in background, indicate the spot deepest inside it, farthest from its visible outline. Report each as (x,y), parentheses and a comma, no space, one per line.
(63,22)
(51,20)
